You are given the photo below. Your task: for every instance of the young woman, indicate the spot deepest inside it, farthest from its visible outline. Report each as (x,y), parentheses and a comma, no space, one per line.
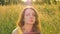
(28,23)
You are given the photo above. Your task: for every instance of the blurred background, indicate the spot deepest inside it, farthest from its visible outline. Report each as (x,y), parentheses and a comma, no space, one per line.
(49,12)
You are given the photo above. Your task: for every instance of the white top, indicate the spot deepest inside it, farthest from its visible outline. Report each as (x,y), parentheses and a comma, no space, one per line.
(15,31)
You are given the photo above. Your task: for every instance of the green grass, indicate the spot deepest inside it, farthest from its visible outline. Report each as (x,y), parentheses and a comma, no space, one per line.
(49,17)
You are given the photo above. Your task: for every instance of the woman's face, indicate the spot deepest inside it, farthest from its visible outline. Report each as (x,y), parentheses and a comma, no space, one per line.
(29,16)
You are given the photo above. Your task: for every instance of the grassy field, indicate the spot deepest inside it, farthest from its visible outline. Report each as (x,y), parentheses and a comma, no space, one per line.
(49,17)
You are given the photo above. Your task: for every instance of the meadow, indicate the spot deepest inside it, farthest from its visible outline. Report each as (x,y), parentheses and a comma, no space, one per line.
(49,17)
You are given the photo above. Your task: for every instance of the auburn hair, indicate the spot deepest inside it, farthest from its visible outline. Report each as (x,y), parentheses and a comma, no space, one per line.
(35,25)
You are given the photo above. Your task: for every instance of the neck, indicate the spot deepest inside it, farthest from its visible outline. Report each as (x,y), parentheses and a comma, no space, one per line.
(27,27)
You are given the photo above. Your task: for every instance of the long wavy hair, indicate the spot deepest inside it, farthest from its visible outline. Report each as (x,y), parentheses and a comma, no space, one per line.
(35,25)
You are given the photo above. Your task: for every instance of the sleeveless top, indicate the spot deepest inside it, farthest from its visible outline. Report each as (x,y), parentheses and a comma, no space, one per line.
(32,32)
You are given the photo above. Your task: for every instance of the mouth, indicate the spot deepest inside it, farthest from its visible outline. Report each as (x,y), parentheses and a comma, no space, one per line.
(31,20)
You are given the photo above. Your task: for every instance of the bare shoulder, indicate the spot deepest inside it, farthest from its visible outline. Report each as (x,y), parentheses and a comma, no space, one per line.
(15,31)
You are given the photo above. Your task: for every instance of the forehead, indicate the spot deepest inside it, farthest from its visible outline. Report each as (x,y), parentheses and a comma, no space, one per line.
(29,10)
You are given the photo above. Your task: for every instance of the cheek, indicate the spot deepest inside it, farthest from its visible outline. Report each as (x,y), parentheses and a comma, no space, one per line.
(34,19)
(29,19)
(26,18)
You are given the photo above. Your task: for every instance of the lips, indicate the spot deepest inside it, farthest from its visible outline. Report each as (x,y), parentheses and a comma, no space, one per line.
(31,20)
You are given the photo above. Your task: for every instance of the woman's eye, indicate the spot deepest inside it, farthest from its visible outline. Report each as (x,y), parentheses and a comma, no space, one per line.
(27,15)
(30,14)
(33,14)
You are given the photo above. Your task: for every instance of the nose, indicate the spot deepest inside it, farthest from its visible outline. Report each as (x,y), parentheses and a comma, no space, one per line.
(31,16)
